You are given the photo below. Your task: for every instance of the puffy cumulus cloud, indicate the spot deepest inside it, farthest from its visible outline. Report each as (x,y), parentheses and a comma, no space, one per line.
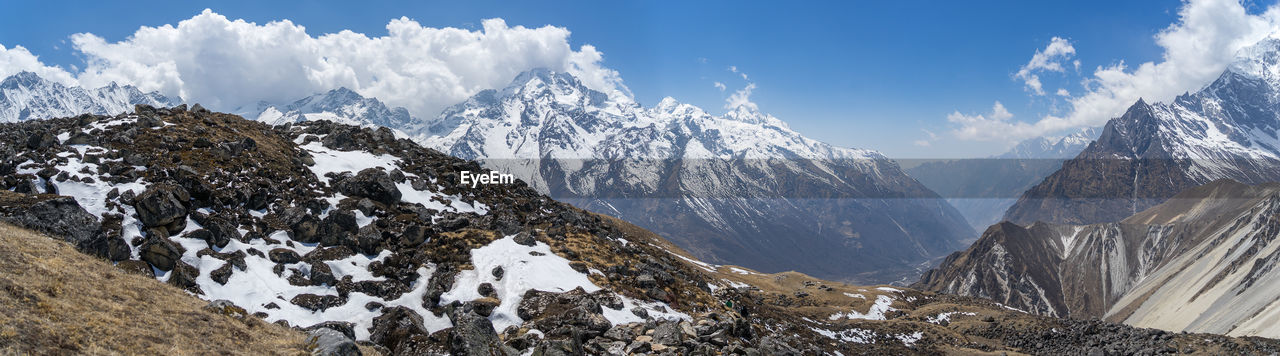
(227,63)
(741,98)
(992,125)
(1198,47)
(720,86)
(1049,59)
(19,59)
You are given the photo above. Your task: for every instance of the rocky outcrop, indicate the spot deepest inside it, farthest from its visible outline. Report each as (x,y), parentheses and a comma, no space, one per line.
(57,216)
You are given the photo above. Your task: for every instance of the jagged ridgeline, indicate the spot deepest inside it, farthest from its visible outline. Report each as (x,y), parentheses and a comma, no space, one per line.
(321,222)
(353,234)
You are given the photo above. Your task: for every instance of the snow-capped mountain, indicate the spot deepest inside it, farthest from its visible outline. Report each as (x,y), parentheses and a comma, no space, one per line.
(1047,147)
(983,189)
(739,188)
(349,233)
(1200,262)
(339,105)
(1226,130)
(27,96)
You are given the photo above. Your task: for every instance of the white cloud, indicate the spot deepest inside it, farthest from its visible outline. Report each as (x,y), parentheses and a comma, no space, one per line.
(225,63)
(734,69)
(720,86)
(741,98)
(926,142)
(1049,59)
(19,59)
(989,126)
(1197,49)
(1063,92)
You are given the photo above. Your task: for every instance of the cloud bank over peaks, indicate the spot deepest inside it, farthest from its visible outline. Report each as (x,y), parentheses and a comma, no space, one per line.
(19,59)
(227,64)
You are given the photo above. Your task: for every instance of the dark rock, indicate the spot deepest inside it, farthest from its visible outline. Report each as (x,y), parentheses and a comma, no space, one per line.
(486,289)
(473,334)
(184,276)
(41,141)
(329,342)
(347,329)
(316,302)
(159,252)
(118,249)
(221,274)
(497,272)
(484,306)
(328,254)
(640,312)
(322,274)
(283,255)
(61,217)
(574,308)
(371,183)
(394,326)
(163,205)
(524,238)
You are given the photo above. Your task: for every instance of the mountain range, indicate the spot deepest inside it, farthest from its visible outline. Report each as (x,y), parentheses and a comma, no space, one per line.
(739,188)
(364,242)
(1167,220)
(27,96)
(1153,151)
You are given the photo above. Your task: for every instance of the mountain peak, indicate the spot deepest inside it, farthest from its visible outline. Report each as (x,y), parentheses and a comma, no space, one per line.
(1259,60)
(23,79)
(545,76)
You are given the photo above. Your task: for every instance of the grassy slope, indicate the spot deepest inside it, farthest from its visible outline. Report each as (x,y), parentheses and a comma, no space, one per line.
(56,300)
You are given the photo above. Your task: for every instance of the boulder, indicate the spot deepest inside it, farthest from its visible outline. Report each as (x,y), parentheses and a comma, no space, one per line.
(575,308)
(372,183)
(221,274)
(394,326)
(473,334)
(329,342)
(283,255)
(41,141)
(57,216)
(184,276)
(163,205)
(159,252)
(316,302)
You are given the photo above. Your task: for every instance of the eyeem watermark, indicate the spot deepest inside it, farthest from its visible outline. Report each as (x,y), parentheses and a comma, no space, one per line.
(466,178)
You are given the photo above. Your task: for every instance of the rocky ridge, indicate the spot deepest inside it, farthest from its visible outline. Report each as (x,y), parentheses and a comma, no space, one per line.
(352,234)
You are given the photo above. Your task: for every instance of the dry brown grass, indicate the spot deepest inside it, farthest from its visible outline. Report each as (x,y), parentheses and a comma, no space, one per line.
(56,300)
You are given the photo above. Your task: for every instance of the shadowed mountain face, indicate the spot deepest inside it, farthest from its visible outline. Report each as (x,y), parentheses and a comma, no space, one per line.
(982,189)
(740,188)
(1153,151)
(1201,261)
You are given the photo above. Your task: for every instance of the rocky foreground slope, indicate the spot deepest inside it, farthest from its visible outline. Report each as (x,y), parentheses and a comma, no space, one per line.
(352,233)
(57,301)
(1202,261)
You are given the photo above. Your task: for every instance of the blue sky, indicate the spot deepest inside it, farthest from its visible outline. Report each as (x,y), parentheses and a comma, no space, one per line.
(859,74)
